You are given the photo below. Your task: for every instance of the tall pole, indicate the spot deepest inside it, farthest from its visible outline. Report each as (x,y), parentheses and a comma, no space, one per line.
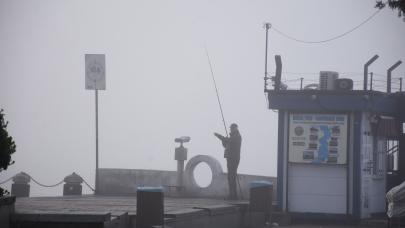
(267,26)
(370,61)
(371,80)
(96,101)
(400,84)
(95,80)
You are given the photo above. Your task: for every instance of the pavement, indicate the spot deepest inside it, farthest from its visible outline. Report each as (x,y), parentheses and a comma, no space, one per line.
(327,226)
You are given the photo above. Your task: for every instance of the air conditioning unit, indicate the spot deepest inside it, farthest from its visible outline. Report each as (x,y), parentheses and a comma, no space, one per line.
(343,84)
(327,80)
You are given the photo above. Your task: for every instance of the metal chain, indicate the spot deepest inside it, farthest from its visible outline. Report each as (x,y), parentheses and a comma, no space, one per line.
(3,182)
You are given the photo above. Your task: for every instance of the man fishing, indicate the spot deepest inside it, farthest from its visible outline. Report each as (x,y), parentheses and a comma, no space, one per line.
(232,146)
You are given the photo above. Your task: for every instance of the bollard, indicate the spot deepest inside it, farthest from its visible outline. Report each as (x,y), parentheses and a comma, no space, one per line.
(149,207)
(261,197)
(73,185)
(20,187)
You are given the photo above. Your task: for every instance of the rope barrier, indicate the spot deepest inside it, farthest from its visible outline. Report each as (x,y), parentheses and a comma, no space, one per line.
(44,185)
(85,182)
(47,186)
(3,182)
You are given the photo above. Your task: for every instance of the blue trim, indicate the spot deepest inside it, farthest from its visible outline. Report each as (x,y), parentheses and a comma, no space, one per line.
(356,165)
(259,184)
(150,189)
(280,160)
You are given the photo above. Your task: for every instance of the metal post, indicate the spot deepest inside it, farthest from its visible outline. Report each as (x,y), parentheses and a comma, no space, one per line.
(96,185)
(267,26)
(371,80)
(400,84)
(180,171)
(302,79)
(389,74)
(370,61)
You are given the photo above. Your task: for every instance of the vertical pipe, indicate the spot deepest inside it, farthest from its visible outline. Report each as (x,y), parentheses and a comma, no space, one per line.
(388,81)
(370,61)
(279,65)
(389,74)
(301,83)
(371,80)
(180,171)
(96,101)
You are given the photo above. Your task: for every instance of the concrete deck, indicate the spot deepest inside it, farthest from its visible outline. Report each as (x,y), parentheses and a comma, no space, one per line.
(120,211)
(116,205)
(327,226)
(103,210)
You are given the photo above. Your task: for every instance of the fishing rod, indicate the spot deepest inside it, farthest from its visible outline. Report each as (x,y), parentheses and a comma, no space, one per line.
(216,90)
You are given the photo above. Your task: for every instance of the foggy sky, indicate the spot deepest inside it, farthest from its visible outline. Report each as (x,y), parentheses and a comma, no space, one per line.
(158,79)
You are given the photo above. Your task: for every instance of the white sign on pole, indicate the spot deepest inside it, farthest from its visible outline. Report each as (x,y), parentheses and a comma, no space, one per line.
(95,71)
(318,138)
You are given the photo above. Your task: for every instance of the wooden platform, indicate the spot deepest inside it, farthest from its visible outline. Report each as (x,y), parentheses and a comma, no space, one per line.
(120,211)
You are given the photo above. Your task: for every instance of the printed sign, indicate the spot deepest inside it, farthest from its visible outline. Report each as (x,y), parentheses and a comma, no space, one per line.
(95,71)
(318,138)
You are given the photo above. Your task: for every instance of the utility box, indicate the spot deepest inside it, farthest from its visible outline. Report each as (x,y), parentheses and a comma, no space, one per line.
(327,80)
(149,207)
(261,196)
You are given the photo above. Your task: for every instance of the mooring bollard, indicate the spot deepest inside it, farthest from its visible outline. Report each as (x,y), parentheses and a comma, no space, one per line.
(20,187)
(73,185)
(261,197)
(149,207)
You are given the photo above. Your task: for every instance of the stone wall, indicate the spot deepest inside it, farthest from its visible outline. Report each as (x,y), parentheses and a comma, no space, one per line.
(126,181)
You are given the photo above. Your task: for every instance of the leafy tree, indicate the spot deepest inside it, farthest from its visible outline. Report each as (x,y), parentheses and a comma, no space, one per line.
(393,4)
(7,147)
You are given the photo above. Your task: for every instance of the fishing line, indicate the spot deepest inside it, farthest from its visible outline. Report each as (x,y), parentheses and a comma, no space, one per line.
(216,90)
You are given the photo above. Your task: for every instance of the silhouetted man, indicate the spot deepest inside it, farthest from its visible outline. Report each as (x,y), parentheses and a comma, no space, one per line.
(232,146)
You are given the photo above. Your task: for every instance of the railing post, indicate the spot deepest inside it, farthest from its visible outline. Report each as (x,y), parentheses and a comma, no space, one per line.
(73,185)
(20,187)
(368,63)
(389,74)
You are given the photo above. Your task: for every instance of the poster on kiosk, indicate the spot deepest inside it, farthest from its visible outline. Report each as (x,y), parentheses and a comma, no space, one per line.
(318,138)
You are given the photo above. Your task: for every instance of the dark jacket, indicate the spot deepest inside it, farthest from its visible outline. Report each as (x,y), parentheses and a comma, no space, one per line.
(232,145)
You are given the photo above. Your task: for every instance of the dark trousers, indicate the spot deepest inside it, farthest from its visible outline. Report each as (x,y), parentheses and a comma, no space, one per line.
(232,165)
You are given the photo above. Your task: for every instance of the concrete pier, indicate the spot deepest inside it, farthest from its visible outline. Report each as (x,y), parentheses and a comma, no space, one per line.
(120,212)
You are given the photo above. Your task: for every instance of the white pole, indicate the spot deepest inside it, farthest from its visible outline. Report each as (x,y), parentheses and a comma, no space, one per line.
(96,101)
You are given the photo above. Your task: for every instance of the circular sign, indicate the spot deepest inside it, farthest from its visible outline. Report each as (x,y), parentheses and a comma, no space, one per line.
(299,131)
(95,71)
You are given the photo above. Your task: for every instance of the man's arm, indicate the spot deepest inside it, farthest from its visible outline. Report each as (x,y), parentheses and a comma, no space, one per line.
(222,138)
